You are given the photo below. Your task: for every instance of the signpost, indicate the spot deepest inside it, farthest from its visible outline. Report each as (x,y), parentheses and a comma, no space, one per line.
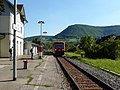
(14,43)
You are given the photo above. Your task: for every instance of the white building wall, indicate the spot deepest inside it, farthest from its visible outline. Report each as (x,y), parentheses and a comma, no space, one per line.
(6,21)
(28,46)
(19,34)
(5,47)
(35,51)
(4,28)
(4,24)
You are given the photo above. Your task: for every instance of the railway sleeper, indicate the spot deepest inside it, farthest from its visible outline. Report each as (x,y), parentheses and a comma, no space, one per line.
(92,89)
(87,83)
(99,82)
(85,80)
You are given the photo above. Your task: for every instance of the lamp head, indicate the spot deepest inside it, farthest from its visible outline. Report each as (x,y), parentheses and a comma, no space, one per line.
(41,22)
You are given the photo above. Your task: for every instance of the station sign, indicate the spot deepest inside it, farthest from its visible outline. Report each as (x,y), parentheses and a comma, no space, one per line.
(16,27)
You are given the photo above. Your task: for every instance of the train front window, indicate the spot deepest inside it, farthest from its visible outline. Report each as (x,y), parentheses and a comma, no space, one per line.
(59,46)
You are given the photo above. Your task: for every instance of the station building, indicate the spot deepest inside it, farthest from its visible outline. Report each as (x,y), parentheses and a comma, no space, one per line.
(6,28)
(28,45)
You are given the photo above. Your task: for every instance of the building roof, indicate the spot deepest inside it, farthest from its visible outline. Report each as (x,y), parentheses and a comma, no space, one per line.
(20,8)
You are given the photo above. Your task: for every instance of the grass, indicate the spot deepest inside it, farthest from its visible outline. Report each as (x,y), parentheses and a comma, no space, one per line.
(109,64)
(112,65)
(30,78)
(72,55)
(38,65)
(43,58)
(44,85)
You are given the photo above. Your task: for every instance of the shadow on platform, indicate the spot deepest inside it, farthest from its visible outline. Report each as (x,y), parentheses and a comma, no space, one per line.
(6,80)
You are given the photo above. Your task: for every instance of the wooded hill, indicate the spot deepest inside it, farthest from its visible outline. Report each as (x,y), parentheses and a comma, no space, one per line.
(79,30)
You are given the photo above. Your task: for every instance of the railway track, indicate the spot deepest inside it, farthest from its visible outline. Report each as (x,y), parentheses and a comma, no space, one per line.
(79,79)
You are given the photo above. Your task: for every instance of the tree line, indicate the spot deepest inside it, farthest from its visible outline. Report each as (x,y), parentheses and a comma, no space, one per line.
(107,48)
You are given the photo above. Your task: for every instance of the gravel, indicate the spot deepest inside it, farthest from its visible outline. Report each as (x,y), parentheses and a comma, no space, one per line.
(106,77)
(65,84)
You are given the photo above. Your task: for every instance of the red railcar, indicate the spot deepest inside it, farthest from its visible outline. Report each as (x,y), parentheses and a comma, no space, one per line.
(58,48)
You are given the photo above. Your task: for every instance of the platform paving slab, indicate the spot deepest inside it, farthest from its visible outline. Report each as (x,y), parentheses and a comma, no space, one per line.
(46,75)
(6,73)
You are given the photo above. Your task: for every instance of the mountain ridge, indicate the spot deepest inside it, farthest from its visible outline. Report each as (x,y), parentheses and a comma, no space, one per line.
(79,30)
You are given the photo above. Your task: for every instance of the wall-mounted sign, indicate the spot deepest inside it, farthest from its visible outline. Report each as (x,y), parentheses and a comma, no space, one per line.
(16,27)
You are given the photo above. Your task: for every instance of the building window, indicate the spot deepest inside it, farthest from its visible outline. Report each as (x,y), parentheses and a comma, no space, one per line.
(20,48)
(21,29)
(17,47)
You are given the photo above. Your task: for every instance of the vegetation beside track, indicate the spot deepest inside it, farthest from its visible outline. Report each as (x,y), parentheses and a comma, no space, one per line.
(109,64)
(30,78)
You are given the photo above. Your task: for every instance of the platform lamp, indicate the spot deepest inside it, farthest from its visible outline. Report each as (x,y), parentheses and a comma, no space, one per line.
(40,49)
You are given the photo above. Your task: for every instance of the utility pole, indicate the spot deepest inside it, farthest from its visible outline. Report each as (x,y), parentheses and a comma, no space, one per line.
(14,45)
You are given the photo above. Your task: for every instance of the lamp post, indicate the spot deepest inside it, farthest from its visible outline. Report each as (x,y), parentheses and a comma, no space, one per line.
(41,46)
(45,39)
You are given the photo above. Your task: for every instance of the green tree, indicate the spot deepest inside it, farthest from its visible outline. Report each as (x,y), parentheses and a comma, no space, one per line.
(87,43)
(35,40)
(110,49)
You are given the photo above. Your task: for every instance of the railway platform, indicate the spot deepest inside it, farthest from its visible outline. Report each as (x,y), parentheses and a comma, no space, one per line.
(40,75)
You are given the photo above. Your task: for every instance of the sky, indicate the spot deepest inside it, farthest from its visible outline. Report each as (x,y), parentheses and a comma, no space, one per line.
(59,14)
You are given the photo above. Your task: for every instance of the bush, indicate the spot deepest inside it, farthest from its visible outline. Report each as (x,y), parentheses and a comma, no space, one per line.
(110,49)
(71,48)
(107,49)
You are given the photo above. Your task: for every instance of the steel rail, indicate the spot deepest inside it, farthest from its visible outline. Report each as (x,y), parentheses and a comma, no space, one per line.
(93,78)
(70,79)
